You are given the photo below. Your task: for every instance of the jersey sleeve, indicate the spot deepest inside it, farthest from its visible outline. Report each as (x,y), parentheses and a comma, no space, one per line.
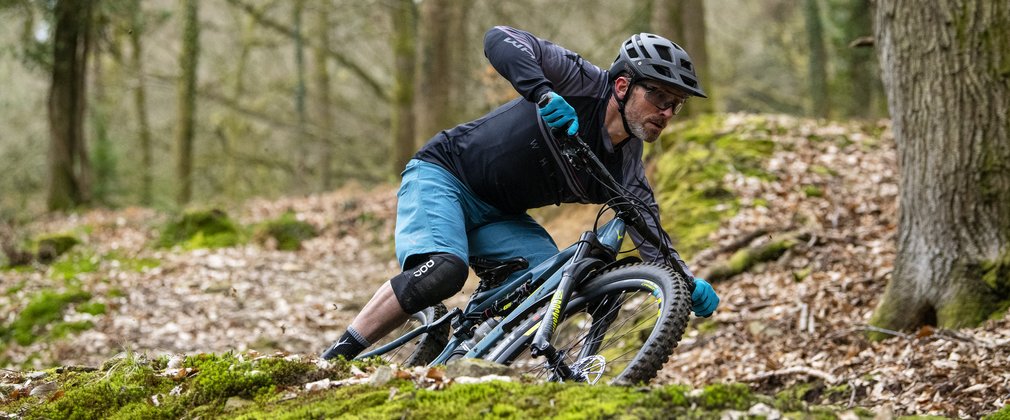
(636,182)
(535,66)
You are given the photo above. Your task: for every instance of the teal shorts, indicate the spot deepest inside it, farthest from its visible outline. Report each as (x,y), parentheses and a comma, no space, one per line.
(435,212)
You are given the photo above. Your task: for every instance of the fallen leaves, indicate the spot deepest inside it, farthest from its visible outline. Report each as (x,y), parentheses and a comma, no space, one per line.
(797,319)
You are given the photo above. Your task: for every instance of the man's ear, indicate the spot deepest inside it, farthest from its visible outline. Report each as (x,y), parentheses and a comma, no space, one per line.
(621,86)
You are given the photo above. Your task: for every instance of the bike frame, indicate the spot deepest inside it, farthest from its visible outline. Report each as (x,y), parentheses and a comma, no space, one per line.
(554,283)
(555,278)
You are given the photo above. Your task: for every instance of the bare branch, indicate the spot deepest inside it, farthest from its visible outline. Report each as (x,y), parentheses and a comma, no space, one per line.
(372,83)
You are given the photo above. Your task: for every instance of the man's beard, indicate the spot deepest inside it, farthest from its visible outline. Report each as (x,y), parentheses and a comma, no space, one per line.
(638,130)
(637,124)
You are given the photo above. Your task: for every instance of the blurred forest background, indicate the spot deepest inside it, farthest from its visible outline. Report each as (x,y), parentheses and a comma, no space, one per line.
(164,103)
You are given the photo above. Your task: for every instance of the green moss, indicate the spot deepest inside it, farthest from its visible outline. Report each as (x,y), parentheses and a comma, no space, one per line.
(93,308)
(1002,414)
(50,247)
(812,191)
(823,170)
(98,395)
(128,387)
(691,172)
(138,265)
(45,308)
(11,291)
(201,229)
(287,230)
(996,274)
(71,265)
(734,396)
(494,399)
(744,259)
(965,309)
(975,301)
(63,329)
(225,376)
(794,398)
(800,275)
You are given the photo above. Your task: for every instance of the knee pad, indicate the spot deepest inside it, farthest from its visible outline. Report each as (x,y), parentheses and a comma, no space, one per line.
(429,282)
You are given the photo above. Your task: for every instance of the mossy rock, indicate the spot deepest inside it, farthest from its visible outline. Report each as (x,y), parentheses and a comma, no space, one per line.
(201,229)
(287,231)
(50,247)
(691,176)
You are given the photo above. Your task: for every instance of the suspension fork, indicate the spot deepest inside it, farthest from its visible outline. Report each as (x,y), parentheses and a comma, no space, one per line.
(570,277)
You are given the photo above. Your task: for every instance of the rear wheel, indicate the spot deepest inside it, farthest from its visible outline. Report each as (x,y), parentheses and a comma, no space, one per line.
(619,327)
(422,349)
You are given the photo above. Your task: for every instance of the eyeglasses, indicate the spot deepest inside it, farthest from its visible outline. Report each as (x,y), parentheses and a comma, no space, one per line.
(663,100)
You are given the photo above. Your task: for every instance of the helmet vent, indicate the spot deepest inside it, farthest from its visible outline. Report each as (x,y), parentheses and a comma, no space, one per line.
(664,53)
(689,81)
(686,64)
(632,53)
(663,70)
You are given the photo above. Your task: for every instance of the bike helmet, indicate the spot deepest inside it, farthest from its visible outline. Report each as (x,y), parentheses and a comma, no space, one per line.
(648,56)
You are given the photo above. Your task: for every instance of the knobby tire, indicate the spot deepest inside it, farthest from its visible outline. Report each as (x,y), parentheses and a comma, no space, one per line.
(620,302)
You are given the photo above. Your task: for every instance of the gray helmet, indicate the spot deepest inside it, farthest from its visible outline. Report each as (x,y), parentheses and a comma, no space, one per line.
(648,56)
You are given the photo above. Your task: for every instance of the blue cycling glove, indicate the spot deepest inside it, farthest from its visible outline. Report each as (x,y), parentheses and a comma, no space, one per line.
(559,114)
(703,300)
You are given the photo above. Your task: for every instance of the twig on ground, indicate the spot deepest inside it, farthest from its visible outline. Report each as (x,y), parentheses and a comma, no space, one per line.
(803,370)
(885,331)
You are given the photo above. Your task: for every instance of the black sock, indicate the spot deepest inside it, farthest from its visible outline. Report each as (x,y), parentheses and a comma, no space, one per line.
(349,345)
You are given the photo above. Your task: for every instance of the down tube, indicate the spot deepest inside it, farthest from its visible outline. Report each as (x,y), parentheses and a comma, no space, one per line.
(545,289)
(611,235)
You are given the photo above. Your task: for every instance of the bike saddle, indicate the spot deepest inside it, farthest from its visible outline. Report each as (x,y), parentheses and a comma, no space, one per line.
(492,272)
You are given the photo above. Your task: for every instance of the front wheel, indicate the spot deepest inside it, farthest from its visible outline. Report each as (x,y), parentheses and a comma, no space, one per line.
(619,327)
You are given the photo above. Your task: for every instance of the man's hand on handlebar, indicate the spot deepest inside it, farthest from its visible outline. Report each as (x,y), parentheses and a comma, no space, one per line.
(557,113)
(703,299)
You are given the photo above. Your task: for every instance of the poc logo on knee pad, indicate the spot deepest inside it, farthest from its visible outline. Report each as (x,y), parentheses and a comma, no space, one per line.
(424,268)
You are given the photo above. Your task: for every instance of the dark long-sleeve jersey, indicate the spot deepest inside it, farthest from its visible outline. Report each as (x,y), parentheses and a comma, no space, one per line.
(507,158)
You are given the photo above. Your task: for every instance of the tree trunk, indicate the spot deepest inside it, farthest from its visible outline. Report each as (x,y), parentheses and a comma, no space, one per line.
(683,22)
(818,60)
(187,100)
(324,103)
(863,83)
(946,71)
(438,71)
(140,103)
(405,56)
(302,144)
(69,169)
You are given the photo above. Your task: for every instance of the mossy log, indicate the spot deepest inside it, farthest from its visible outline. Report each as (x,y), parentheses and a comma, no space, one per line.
(51,247)
(746,258)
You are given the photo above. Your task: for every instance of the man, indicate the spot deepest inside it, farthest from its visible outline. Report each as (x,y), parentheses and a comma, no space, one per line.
(466,192)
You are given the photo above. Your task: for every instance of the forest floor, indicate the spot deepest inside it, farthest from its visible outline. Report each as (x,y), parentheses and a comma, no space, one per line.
(798,323)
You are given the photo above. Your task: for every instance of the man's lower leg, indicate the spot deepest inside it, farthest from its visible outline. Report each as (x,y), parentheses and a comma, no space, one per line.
(432,279)
(380,316)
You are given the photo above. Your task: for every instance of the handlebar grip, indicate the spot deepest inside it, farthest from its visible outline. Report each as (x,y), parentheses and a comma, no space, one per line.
(544,100)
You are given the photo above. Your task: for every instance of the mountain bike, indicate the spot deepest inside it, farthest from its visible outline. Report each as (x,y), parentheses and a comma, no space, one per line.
(583,315)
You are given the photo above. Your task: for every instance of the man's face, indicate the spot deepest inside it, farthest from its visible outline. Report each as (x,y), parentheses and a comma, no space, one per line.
(650,107)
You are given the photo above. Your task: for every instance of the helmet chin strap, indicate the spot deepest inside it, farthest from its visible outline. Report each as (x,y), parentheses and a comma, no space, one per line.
(620,108)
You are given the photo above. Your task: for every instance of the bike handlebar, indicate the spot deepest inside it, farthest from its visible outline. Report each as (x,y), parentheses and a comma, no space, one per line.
(625,208)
